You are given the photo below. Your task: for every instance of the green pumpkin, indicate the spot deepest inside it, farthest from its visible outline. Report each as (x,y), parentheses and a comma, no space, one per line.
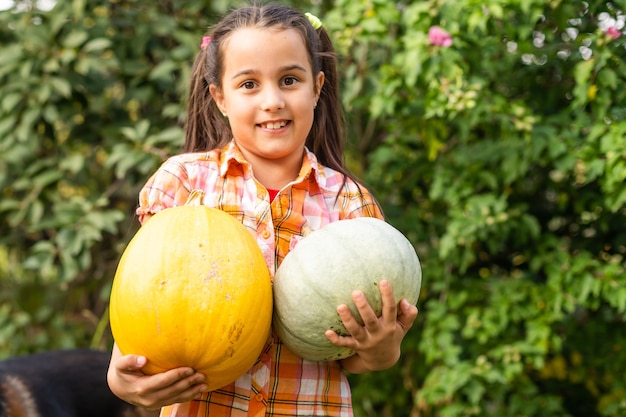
(323,270)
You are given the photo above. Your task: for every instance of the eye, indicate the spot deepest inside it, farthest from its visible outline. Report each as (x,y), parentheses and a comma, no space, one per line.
(290,80)
(248,85)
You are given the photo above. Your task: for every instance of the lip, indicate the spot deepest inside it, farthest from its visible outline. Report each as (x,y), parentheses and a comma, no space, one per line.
(284,122)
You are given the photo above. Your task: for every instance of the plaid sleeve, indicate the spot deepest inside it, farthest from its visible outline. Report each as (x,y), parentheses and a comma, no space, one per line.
(168,187)
(357,201)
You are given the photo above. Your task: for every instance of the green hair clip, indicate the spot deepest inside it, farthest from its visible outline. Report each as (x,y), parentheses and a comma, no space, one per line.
(315,21)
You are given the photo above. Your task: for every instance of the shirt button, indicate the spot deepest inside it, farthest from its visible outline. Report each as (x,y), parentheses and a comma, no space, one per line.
(259,397)
(266,234)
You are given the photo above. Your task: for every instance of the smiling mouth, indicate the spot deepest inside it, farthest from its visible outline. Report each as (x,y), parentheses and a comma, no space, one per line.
(274,125)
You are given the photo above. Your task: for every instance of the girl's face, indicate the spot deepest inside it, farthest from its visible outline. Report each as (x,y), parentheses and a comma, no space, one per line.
(268,93)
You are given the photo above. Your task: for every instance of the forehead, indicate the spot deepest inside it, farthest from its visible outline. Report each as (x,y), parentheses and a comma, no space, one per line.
(263,49)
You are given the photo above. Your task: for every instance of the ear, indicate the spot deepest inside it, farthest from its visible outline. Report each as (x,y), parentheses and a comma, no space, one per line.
(319,83)
(218,97)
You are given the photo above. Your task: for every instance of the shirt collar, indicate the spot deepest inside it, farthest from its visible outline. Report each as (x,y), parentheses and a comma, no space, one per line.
(231,157)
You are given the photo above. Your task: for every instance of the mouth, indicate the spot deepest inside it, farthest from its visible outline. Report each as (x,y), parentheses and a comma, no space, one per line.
(274,125)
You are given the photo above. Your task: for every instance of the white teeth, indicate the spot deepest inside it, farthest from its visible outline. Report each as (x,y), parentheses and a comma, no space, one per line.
(273,126)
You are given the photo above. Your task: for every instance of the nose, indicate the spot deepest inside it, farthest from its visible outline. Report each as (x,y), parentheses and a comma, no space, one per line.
(272,99)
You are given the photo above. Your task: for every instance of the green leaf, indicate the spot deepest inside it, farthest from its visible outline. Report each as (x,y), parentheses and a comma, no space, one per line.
(97,45)
(164,70)
(61,86)
(10,101)
(75,38)
(582,75)
(608,78)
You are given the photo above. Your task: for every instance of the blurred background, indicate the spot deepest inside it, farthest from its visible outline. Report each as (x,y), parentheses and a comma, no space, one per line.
(493,133)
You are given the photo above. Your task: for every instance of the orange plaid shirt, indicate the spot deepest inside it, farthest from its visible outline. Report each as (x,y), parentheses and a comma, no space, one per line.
(279,383)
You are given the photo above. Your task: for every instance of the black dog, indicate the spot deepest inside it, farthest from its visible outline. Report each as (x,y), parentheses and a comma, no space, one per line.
(64,383)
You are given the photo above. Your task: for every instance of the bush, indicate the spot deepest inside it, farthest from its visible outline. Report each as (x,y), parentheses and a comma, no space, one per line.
(502,157)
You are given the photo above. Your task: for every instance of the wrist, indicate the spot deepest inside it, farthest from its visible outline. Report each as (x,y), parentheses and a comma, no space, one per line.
(353,365)
(357,365)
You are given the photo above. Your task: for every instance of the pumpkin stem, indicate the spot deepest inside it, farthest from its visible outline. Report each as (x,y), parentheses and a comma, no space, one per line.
(195,198)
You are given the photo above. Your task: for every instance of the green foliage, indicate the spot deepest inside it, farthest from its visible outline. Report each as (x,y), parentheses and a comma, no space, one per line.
(502,157)
(89,107)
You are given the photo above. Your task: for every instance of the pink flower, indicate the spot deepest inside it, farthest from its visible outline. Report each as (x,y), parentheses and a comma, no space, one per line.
(206,40)
(613,32)
(439,37)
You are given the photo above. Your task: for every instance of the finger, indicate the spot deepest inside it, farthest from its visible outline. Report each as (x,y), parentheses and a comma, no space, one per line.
(182,374)
(353,327)
(131,363)
(188,388)
(389,310)
(407,314)
(173,386)
(164,397)
(127,363)
(368,315)
(341,341)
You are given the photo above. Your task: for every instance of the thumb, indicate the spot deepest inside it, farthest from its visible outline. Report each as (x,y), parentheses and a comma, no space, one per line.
(131,362)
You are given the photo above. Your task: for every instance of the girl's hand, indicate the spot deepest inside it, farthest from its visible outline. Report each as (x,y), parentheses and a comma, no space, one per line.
(151,391)
(377,342)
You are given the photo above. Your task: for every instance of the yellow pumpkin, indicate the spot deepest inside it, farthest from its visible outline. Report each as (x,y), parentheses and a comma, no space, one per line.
(193,289)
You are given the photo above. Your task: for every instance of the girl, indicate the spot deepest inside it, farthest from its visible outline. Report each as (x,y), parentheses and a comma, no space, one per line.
(264,144)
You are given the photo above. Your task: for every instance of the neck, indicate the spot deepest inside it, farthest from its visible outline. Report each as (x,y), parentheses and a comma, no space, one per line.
(275,176)
(276,173)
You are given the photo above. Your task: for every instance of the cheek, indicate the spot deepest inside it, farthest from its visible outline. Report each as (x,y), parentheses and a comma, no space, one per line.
(245,102)
(307,103)
(237,106)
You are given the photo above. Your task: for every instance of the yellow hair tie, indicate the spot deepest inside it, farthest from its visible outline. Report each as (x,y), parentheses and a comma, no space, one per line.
(314,20)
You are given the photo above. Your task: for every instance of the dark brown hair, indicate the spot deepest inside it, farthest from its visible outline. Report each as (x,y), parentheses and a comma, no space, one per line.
(207,129)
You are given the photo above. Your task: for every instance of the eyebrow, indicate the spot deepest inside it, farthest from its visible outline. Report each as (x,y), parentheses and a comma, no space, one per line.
(283,69)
